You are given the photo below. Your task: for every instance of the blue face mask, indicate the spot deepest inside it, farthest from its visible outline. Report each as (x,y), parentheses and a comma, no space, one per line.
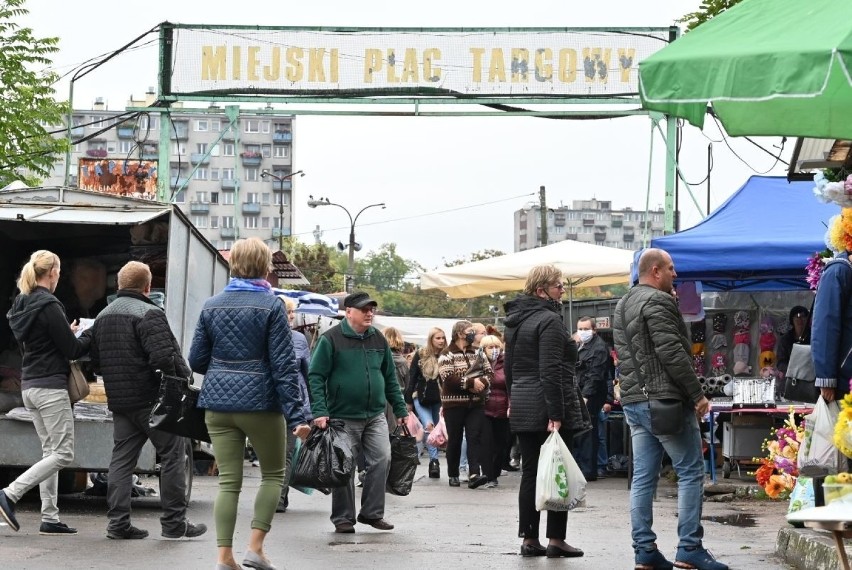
(585,336)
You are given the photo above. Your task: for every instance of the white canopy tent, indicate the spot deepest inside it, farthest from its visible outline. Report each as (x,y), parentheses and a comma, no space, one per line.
(582,264)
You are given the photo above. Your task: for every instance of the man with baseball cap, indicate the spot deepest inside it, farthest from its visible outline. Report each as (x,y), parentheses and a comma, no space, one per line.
(352,378)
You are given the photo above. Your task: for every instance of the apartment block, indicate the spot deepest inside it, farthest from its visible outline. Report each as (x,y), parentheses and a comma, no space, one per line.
(589,221)
(216,173)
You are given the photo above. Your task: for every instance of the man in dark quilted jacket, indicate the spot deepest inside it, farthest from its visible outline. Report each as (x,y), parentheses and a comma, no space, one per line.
(352,378)
(131,340)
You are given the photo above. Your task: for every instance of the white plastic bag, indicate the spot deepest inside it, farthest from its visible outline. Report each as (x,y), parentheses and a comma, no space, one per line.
(559,483)
(817,447)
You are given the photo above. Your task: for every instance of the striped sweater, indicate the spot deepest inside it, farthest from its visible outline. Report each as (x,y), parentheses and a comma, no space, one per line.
(456,390)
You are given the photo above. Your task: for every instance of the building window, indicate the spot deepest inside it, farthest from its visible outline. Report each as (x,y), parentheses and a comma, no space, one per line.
(200,174)
(252,197)
(97,122)
(227,244)
(126,147)
(179,149)
(281,151)
(201,197)
(215,150)
(250,222)
(228,149)
(280,199)
(227,174)
(215,125)
(264,198)
(214,222)
(201,148)
(215,174)
(264,222)
(180,197)
(257,126)
(227,221)
(252,174)
(202,126)
(214,197)
(199,221)
(147,122)
(228,198)
(266,150)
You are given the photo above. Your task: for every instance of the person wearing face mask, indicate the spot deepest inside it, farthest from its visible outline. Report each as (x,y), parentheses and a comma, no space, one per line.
(592,374)
(465,377)
(539,366)
(498,436)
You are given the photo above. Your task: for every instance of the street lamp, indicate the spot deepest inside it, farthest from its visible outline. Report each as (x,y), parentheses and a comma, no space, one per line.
(350,277)
(281,179)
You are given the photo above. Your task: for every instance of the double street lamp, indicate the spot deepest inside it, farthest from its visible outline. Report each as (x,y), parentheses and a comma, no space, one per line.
(350,277)
(281,179)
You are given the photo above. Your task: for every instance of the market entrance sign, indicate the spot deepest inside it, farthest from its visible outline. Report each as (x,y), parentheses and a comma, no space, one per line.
(534,62)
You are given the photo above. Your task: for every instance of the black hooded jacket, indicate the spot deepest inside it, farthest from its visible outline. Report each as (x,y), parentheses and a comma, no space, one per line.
(38,322)
(539,364)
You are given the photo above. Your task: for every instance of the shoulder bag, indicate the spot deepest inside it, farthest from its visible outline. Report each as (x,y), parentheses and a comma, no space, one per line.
(800,380)
(177,411)
(78,386)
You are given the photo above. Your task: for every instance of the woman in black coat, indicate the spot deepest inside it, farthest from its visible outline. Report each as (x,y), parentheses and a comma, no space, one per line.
(539,366)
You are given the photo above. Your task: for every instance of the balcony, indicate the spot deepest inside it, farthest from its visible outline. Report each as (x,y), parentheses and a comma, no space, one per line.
(251,208)
(78,131)
(282,137)
(559,220)
(600,236)
(125,132)
(199,158)
(199,207)
(150,154)
(251,158)
(96,152)
(617,223)
(229,184)
(628,238)
(228,136)
(179,182)
(228,233)
(281,185)
(276,233)
(588,222)
(571,236)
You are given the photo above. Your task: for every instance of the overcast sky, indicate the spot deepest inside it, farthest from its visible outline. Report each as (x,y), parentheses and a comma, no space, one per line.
(478,168)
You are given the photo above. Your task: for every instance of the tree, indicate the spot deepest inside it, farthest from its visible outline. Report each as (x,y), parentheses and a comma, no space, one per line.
(28,103)
(475,256)
(708,10)
(315,262)
(385,268)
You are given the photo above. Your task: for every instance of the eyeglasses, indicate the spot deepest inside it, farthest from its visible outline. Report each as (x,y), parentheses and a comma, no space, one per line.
(559,286)
(368,309)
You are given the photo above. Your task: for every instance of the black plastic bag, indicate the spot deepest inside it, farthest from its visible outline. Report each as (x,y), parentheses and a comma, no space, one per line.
(177,411)
(326,459)
(403,462)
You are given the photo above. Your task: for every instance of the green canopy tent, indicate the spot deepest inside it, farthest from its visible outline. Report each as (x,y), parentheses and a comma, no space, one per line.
(768,67)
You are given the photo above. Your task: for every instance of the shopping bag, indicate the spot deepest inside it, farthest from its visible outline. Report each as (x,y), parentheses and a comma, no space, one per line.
(802,495)
(559,482)
(438,435)
(817,447)
(176,410)
(297,450)
(325,458)
(403,462)
(415,427)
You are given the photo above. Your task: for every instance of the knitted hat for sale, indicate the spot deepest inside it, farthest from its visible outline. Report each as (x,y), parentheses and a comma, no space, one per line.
(718,341)
(742,321)
(699,331)
(766,358)
(697,348)
(698,364)
(767,341)
(742,337)
(741,354)
(718,363)
(720,322)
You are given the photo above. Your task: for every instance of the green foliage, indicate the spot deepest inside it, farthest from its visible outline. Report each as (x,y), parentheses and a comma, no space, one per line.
(28,102)
(385,269)
(315,262)
(708,10)
(475,256)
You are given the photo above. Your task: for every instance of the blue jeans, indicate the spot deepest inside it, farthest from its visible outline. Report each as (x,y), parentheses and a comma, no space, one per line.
(371,436)
(688,462)
(428,413)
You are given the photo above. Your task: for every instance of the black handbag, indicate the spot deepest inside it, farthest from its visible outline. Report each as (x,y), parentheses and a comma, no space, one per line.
(667,416)
(800,379)
(177,411)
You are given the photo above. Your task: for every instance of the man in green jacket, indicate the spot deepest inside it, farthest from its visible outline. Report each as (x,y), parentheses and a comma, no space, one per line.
(352,378)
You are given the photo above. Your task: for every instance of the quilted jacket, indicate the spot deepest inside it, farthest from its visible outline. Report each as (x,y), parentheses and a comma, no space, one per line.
(649,332)
(131,339)
(831,333)
(539,366)
(242,345)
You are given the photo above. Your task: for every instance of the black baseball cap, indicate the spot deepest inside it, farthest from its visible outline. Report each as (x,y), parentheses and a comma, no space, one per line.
(359,300)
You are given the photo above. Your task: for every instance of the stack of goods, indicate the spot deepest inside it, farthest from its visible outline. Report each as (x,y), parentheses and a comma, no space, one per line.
(742,342)
(766,360)
(699,334)
(719,360)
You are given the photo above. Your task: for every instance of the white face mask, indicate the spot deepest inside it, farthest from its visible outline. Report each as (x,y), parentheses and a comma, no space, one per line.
(495,352)
(585,336)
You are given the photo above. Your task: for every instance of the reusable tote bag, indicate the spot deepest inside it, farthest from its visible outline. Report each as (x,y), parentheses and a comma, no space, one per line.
(559,483)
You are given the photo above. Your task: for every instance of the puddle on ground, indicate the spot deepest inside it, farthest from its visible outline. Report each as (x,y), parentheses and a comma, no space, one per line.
(735,519)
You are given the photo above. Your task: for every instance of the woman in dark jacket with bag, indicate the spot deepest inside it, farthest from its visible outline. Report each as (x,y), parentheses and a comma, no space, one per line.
(423,394)
(544,397)
(37,320)
(242,345)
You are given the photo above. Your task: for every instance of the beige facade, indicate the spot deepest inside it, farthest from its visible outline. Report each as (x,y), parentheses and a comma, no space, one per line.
(219,185)
(589,221)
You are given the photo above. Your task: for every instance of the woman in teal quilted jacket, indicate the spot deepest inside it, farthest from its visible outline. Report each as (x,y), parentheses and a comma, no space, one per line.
(243,346)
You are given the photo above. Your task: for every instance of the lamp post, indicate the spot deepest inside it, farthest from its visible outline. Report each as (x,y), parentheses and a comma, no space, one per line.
(350,277)
(281,179)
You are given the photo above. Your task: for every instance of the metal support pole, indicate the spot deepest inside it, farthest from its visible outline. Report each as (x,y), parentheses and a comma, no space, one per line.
(350,277)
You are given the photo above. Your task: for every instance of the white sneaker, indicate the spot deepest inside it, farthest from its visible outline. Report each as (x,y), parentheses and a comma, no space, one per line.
(255,463)
(463,475)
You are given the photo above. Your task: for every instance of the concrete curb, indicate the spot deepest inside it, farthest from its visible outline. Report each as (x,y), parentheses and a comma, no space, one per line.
(807,549)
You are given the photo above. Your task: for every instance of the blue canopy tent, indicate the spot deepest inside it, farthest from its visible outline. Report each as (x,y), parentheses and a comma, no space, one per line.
(309,303)
(760,239)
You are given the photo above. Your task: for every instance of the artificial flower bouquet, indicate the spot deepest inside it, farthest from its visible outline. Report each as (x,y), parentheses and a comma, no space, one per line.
(778,470)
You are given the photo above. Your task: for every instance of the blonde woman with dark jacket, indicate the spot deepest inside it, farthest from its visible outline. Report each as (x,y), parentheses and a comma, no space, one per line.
(423,394)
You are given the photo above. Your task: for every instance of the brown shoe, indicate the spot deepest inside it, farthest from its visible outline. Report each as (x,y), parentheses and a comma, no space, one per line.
(344,528)
(380,524)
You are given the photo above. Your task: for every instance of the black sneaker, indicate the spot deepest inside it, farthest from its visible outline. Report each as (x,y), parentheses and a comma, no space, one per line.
(129,533)
(55,529)
(7,511)
(189,530)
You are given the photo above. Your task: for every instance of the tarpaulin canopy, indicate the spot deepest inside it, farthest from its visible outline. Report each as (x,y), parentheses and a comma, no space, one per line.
(310,303)
(768,67)
(582,264)
(760,239)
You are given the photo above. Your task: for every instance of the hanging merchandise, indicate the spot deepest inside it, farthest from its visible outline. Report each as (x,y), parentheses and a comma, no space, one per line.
(719,364)
(720,322)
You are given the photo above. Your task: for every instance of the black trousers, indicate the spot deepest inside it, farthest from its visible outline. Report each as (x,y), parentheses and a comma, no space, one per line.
(462,422)
(498,445)
(528,517)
